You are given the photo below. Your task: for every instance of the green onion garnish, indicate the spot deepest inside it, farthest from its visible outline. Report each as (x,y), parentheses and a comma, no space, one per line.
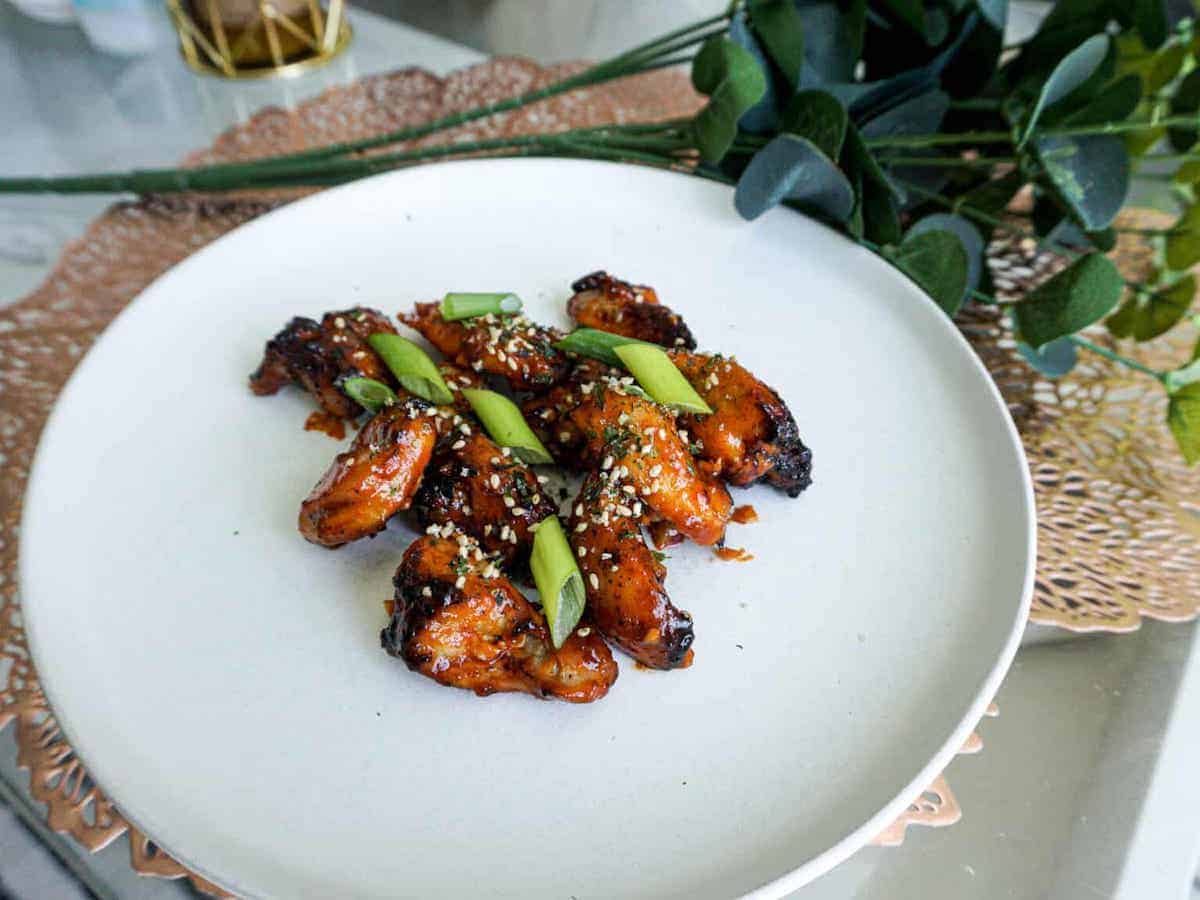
(368,393)
(596,344)
(411,366)
(504,422)
(557,578)
(663,381)
(468,306)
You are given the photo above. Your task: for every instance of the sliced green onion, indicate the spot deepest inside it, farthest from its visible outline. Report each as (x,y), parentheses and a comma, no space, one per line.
(557,578)
(596,344)
(663,381)
(368,393)
(508,428)
(468,306)
(411,366)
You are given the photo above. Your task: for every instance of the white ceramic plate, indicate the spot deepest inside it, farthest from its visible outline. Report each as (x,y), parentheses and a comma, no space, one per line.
(222,679)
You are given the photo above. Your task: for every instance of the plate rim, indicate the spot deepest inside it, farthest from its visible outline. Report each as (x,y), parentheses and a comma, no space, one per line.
(791,880)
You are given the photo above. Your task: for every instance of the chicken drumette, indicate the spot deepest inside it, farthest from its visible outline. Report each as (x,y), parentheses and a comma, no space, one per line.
(459,621)
(751,435)
(485,491)
(373,480)
(511,347)
(624,579)
(609,304)
(319,355)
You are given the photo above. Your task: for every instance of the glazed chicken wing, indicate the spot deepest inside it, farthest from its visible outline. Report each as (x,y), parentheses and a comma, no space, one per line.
(373,480)
(459,621)
(509,346)
(485,491)
(609,304)
(317,356)
(549,416)
(624,580)
(637,438)
(751,435)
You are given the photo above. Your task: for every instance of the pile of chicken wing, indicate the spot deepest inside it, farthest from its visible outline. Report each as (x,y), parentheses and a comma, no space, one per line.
(458,615)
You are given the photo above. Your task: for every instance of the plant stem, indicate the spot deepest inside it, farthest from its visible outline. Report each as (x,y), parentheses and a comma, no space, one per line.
(935,140)
(1117,358)
(949,162)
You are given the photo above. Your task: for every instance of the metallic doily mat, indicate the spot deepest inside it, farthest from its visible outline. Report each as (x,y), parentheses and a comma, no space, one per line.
(1119,528)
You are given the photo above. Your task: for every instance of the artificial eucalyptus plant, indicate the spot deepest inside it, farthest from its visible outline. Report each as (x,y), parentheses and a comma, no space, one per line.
(910,126)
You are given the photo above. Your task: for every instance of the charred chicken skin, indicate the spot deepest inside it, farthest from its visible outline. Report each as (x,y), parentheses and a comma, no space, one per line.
(623,578)
(511,347)
(459,621)
(609,304)
(637,437)
(318,355)
(373,480)
(751,435)
(486,492)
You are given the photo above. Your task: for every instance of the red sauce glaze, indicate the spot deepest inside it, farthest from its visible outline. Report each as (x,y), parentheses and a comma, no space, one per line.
(324,422)
(744,515)
(733,554)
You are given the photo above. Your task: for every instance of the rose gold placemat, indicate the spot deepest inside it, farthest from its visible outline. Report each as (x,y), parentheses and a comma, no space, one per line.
(1089,493)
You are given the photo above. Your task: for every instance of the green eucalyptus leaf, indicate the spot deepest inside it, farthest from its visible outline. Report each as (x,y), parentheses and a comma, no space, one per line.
(994,11)
(1183,418)
(1115,103)
(937,262)
(1081,294)
(1071,72)
(876,194)
(734,83)
(1186,102)
(1145,318)
(794,168)
(1183,241)
(1068,23)
(1054,360)
(967,234)
(763,116)
(781,30)
(1150,17)
(922,114)
(1090,174)
(830,50)
(819,117)
(1165,67)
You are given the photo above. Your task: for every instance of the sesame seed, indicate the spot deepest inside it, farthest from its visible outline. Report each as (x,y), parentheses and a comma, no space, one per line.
(431,411)
(512,364)
(683,435)
(606,556)
(629,488)
(637,508)
(506,451)
(477,365)
(432,529)
(564,436)
(581,551)
(465,472)
(614,568)
(662,433)
(339,322)
(465,428)
(426,592)
(504,533)
(487,530)
(655,470)
(512,537)
(501,355)
(586,388)
(624,510)
(519,510)
(536,498)
(593,581)
(679,342)
(607,464)
(460,582)
(509,501)
(584,632)
(458,445)
(581,527)
(494,480)
(542,479)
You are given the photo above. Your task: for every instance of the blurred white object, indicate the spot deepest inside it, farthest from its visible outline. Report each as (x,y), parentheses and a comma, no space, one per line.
(120,27)
(57,12)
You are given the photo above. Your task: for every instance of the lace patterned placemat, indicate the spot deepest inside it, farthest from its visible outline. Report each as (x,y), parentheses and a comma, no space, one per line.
(1118,536)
